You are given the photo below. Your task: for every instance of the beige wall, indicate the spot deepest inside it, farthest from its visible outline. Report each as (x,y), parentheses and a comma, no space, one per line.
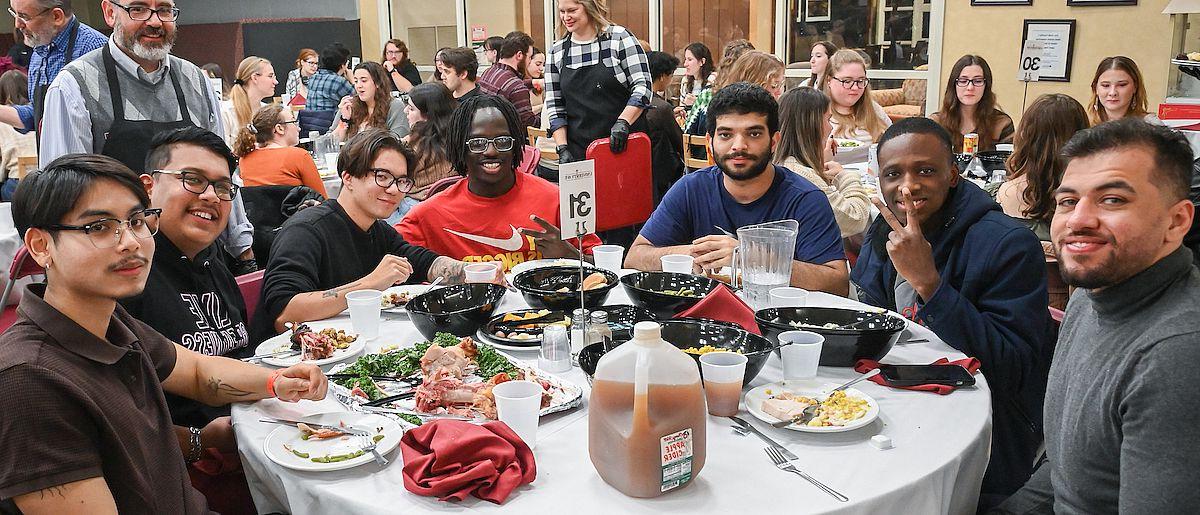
(1139,32)
(368,26)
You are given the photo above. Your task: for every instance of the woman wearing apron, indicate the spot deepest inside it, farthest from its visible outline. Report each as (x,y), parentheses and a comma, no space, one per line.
(597,84)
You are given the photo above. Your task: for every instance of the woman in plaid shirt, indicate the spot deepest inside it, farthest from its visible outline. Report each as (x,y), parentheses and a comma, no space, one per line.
(597,81)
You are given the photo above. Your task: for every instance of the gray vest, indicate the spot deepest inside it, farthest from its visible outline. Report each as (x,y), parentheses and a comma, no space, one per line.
(143,100)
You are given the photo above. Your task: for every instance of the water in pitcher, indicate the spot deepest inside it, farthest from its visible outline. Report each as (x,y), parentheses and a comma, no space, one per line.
(757,286)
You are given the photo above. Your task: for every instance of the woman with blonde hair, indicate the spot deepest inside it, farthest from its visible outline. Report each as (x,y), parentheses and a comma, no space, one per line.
(371,105)
(255,80)
(969,106)
(1118,91)
(297,79)
(855,115)
(597,81)
(268,153)
(804,147)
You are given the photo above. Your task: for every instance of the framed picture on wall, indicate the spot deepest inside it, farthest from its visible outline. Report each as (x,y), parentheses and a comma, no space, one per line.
(1100,2)
(1058,47)
(816,10)
(1001,2)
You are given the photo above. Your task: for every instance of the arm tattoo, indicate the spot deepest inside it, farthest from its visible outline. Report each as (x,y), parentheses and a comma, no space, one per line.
(54,491)
(450,269)
(219,388)
(334,292)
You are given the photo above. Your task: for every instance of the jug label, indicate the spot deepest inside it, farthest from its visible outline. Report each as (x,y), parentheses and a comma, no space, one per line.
(676,459)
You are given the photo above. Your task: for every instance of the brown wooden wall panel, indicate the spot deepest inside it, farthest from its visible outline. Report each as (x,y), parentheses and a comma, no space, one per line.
(712,22)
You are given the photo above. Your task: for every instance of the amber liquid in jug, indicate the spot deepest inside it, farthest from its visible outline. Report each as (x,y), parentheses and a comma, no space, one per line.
(647,444)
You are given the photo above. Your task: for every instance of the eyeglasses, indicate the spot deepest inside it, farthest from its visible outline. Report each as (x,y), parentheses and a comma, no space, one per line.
(385,180)
(480,145)
(852,84)
(271,75)
(289,121)
(106,232)
(193,182)
(977,82)
(314,63)
(26,18)
(142,13)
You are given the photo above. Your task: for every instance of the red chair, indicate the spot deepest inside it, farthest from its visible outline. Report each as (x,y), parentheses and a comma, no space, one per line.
(23,265)
(251,288)
(1057,316)
(624,185)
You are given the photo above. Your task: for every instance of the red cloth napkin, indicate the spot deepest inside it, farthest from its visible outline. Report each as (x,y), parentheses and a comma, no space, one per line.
(451,458)
(971,364)
(722,304)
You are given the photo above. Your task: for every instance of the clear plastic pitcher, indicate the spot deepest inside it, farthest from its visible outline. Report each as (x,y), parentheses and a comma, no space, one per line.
(646,416)
(763,259)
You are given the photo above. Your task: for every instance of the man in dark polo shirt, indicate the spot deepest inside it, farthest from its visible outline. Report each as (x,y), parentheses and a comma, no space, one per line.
(191,297)
(85,426)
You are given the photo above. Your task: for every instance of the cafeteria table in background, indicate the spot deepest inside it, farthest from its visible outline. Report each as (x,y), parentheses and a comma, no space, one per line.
(941,451)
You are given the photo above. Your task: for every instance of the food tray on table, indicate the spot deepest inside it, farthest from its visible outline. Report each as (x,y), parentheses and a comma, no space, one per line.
(485,365)
(283,342)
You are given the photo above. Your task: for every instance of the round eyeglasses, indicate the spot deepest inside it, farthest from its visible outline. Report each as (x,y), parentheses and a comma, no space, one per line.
(106,232)
(385,180)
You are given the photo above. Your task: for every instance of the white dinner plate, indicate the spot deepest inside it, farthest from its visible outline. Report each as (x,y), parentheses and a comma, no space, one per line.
(290,436)
(482,335)
(411,289)
(282,342)
(755,398)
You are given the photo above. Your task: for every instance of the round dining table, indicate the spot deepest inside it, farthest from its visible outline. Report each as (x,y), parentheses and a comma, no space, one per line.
(941,447)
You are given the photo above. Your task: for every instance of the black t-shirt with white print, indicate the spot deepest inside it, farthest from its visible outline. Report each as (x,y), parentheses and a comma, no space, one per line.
(197,304)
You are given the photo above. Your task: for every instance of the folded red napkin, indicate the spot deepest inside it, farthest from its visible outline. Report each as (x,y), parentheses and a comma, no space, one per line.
(971,364)
(451,458)
(724,305)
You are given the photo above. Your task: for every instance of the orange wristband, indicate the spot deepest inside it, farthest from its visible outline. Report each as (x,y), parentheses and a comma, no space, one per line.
(271,383)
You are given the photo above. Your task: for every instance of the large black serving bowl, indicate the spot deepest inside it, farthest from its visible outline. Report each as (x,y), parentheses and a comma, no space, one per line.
(645,290)
(589,357)
(991,160)
(622,317)
(540,287)
(692,332)
(871,339)
(460,309)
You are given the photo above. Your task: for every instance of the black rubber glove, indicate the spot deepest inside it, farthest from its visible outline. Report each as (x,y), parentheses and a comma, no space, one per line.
(618,136)
(244,266)
(565,155)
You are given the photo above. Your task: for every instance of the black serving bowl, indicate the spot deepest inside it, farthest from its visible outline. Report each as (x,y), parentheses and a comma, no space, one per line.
(540,287)
(589,357)
(692,332)
(460,309)
(622,317)
(645,290)
(993,160)
(871,339)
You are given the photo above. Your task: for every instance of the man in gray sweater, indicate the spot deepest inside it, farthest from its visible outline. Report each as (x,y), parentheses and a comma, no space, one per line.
(1121,425)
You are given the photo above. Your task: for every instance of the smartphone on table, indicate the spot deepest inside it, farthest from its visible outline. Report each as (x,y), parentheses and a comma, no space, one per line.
(913,375)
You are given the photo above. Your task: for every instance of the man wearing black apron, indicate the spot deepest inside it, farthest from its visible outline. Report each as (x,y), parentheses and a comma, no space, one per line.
(114,101)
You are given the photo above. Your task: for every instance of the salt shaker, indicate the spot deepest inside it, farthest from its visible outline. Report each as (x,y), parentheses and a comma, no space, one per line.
(555,353)
(598,330)
(579,323)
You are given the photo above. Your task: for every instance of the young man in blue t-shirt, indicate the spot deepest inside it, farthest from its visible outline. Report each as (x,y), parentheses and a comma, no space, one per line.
(744,188)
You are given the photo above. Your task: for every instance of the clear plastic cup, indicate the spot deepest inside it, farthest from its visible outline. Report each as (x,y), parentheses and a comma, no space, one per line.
(680,263)
(481,272)
(801,353)
(364,312)
(609,257)
(518,404)
(788,297)
(331,160)
(723,373)
(555,352)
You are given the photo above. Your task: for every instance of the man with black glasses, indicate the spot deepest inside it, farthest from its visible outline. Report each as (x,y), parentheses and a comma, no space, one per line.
(86,428)
(57,38)
(497,214)
(326,251)
(114,101)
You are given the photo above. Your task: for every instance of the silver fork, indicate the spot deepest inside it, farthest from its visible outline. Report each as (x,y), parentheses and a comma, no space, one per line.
(783,464)
(368,444)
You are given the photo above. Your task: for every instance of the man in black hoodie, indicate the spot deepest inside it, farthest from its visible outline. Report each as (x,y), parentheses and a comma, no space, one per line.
(972,275)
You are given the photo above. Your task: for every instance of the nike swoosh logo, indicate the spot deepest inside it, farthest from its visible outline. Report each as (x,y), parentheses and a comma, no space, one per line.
(512,243)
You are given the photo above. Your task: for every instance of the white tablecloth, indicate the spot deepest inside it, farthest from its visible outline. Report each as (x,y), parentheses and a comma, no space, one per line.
(941,451)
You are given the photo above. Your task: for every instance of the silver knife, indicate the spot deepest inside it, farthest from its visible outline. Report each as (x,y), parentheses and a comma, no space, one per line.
(746,425)
(280,354)
(347,429)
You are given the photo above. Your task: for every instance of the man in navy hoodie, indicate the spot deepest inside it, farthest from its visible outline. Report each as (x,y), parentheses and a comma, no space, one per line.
(969,273)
